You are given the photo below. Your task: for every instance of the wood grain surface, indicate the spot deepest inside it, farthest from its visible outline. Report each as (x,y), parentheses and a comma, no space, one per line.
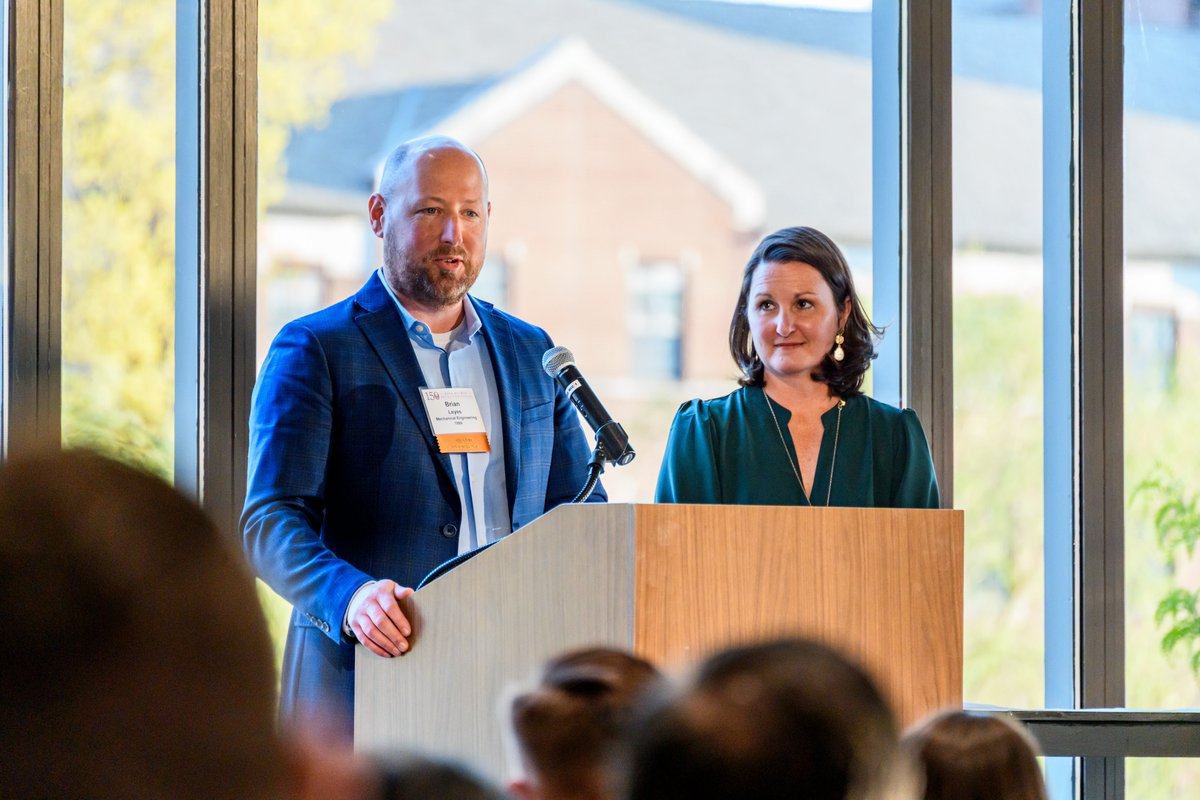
(883,585)
(484,628)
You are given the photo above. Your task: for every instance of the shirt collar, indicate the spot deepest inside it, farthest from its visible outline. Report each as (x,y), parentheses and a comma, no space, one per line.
(419,331)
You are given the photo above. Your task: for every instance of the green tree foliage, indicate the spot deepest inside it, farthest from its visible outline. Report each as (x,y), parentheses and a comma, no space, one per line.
(119,195)
(1162,467)
(1162,446)
(1176,519)
(998,483)
(118,228)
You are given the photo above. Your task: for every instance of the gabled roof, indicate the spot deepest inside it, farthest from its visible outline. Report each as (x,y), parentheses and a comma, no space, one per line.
(344,152)
(785,93)
(572,61)
(349,150)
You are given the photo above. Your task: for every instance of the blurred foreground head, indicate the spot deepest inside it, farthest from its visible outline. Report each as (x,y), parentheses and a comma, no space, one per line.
(136,661)
(966,756)
(571,727)
(418,777)
(783,719)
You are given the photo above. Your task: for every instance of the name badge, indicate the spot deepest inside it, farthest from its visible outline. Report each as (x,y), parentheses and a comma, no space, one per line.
(454,416)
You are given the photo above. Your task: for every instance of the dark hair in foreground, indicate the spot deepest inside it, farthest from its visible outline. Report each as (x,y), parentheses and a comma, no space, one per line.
(571,726)
(417,777)
(784,719)
(136,660)
(808,246)
(966,756)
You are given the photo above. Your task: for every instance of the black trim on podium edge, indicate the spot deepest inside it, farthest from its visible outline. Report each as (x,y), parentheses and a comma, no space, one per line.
(444,567)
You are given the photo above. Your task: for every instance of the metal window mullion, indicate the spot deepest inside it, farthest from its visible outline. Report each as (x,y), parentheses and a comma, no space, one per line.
(245,277)
(228,214)
(1118,734)
(33,405)
(1083,349)
(1100,386)
(1102,778)
(1099,264)
(1082,205)
(913,226)
(929,217)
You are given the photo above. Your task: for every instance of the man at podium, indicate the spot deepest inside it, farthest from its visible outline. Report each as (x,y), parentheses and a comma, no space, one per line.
(397,429)
(799,431)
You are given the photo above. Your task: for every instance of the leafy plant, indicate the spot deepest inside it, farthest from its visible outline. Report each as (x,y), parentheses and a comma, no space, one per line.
(1177,525)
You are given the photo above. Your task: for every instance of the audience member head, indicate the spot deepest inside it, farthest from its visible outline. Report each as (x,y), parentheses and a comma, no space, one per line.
(782,719)
(136,659)
(570,728)
(972,757)
(418,777)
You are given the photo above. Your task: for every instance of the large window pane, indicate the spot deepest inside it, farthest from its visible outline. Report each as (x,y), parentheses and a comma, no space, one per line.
(1162,367)
(118,228)
(998,346)
(1161,778)
(631,146)
(636,152)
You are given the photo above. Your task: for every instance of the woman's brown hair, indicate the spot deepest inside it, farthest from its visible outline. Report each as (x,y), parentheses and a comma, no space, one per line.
(969,755)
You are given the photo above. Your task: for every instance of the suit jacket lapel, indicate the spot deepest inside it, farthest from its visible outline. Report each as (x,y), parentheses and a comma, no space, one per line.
(503,349)
(383,327)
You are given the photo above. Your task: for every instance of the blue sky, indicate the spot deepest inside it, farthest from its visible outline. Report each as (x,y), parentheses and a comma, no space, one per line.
(994,41)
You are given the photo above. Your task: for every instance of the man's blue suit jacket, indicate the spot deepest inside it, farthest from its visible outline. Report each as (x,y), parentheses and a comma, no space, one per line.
(346,483)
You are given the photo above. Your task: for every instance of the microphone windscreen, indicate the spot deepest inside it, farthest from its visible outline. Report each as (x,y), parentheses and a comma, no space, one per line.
(555,359)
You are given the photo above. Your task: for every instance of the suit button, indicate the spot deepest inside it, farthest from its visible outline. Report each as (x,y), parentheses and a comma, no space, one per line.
(449,530)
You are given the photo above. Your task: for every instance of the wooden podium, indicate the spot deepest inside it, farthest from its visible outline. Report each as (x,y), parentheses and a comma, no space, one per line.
(672,583)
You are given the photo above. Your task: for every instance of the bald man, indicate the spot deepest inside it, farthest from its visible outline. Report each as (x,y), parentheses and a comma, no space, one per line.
(352,495)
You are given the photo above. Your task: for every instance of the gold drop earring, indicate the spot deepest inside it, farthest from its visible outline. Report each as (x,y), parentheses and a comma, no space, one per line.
(838,352)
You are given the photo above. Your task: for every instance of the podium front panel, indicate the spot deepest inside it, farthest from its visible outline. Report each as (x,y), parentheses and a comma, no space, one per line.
(883,585)
(485,627)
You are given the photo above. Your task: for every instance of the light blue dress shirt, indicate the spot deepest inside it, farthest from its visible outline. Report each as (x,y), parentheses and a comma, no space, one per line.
(479,477)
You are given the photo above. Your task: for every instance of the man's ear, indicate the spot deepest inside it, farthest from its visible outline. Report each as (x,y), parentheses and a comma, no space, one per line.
(522,789)
(375,207)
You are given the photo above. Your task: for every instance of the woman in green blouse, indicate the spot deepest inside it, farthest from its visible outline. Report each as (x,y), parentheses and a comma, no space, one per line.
(799,431)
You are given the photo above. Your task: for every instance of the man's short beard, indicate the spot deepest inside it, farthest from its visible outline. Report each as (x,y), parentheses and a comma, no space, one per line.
(424,281)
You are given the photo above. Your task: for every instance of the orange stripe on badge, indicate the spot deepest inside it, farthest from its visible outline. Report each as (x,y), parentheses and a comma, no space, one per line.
(463,443)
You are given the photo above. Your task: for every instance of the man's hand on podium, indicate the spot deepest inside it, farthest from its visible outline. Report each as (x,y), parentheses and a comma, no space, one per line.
(377,621)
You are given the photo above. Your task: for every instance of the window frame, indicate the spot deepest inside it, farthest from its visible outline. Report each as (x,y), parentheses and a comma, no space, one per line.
(32,403)
(216,259)
(1083,88)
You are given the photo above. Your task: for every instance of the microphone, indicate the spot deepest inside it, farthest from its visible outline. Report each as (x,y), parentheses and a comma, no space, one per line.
(559,364)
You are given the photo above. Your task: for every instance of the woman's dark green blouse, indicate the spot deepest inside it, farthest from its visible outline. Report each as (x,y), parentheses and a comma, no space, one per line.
(729,451)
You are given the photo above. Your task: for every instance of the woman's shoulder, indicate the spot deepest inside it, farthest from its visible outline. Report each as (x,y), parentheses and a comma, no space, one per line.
(885,411)
(902,422)
(716,408)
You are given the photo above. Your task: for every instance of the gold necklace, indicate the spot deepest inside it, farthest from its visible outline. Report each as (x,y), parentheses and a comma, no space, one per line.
(796,469)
